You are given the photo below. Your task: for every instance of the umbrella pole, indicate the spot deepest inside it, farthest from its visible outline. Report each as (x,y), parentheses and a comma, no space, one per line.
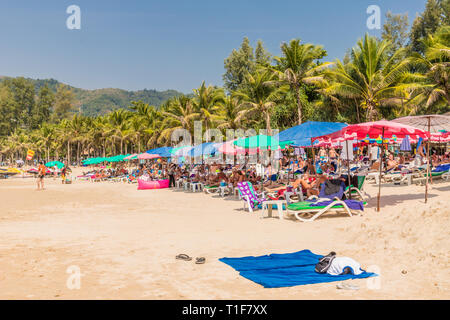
(428,160)
(348,173)
(381,165)
(314,157)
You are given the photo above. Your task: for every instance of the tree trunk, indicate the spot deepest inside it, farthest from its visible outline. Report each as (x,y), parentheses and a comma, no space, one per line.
(268,127)
(78,153)
(299,104)
(358,118)
(68,152)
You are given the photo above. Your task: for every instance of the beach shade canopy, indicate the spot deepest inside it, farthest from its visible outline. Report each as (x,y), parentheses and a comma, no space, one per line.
(51,164)
(131,157)
(207,148)
(376,129)
(261,141)
(434,123)
(181,151)
(405,145)
(163,152)
(148,156)
(302,134)
(230,148)
(94,160)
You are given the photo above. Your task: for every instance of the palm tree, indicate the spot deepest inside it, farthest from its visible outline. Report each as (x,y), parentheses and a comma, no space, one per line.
(207,102)
(230,116)
(118,120)
(259,95)
(179,114)
(371,77)
(297,67)
(46,137)
(431,83)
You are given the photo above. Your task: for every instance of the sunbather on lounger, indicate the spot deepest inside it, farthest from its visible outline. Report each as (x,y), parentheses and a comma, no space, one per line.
(391,163)
(309,184)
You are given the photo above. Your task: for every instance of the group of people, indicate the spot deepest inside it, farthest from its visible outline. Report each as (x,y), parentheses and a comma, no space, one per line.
(42,171)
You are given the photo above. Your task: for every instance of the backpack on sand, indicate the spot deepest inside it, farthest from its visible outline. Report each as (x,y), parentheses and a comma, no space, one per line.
(325,262)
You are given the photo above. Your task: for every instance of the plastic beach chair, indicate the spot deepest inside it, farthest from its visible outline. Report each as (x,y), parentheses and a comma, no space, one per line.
(249,195)
(307,211)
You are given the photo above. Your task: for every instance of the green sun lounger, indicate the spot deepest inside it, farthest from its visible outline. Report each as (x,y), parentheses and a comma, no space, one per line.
(304,211)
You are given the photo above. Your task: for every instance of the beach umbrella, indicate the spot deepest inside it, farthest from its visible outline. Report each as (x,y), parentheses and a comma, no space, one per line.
(229,147)
(55,163)
(163,152)
(405,145)
(373,130)
(261,141)
(181,151)
(147,156)
(131,157)
(433,123)
(302,134)
(207,148)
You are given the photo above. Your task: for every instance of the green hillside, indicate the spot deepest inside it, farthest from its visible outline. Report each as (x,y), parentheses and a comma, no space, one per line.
(101,101)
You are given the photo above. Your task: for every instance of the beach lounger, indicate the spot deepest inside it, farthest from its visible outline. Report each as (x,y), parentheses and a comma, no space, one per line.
(357,192)
(211,189)
(313,208)
(249,196)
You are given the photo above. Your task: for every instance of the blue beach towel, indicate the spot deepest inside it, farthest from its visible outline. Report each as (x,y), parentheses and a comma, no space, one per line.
(285,270)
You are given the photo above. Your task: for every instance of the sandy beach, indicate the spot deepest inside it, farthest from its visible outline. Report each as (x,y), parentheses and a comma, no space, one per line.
(124,242)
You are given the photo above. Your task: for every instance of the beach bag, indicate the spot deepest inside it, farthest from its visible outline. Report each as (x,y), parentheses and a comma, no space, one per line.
(325,263)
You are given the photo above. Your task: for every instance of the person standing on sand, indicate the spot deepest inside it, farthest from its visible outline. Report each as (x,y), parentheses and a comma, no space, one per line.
(41,174)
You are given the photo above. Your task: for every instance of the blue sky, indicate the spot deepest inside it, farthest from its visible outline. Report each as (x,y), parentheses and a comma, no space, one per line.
(169,44)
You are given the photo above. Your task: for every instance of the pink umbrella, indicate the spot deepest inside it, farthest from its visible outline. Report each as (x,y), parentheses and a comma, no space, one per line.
(148,156)
(229,148)
(374,129)
(383,128)
(130,156)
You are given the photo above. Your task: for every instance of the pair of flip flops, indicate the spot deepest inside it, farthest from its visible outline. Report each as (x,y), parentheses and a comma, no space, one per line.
(347,286)
(185,257)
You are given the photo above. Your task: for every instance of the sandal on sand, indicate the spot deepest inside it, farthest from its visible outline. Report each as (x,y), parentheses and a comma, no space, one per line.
(200,260)
(347,286)
(184,257)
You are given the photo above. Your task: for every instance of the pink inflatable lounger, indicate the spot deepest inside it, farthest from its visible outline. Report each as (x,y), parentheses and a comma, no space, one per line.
(160,184)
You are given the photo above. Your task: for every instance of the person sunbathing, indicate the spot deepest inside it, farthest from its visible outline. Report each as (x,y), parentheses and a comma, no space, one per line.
(391,163)
(310,185)
(375,166)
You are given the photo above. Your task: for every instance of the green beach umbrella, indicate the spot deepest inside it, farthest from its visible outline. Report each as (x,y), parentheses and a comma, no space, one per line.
(261,141)
(55,163)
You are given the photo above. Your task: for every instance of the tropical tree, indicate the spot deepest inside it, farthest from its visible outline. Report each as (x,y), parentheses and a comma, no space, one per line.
(207,101)
(430,82)
(371,78)
(179,114)
(259,95)
(298,66)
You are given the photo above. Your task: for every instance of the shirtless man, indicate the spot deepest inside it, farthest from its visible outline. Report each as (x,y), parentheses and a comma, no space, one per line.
(391,163)
(41,174)
(311,186)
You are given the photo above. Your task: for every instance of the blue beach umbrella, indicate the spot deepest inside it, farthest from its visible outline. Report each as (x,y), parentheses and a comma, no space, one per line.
(302,134)
(206,148)
(164,152)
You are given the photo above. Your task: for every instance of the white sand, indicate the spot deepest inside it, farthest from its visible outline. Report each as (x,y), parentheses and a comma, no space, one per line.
(125,241)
